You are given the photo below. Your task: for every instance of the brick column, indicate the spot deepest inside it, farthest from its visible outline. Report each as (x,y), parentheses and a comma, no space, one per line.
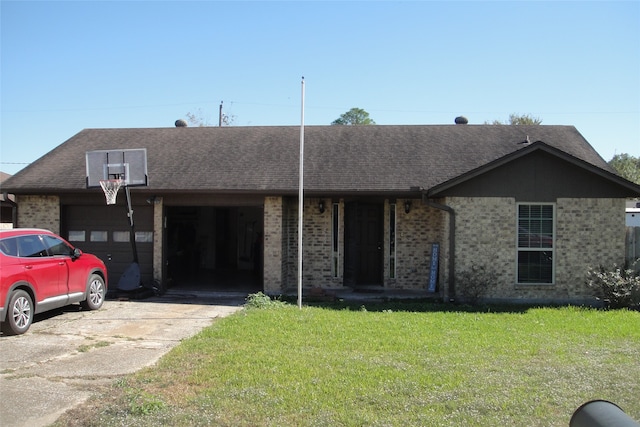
(273,252)
(158,230)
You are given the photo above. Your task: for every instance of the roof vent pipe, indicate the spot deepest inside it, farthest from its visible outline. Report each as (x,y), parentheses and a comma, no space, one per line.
(461,120)
(181,123)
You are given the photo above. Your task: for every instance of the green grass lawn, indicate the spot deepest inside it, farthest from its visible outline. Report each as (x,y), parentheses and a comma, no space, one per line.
(385,365)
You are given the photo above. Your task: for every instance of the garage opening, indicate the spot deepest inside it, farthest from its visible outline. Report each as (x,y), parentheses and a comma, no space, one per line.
(211,248)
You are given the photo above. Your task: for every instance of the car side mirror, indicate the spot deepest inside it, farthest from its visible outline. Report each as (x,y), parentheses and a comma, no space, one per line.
(76,253)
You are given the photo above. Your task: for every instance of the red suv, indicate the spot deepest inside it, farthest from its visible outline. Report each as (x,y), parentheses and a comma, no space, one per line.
(40,271)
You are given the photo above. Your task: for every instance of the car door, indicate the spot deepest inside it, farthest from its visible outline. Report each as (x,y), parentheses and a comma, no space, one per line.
(40,269)
(62,253)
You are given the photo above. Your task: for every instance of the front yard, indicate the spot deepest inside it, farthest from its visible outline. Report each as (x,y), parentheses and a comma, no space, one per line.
(411,364)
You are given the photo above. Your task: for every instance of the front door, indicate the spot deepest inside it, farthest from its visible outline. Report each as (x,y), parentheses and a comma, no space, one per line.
(363,244)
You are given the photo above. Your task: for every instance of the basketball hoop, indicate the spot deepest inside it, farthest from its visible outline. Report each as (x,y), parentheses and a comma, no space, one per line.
(110,188)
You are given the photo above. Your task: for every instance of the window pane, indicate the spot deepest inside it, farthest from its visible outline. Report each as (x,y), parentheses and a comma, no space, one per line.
(534,211)
(9,246)
(120,236)
(535,267)
(57,246)
(334,225)
(99,236)
(31,246)
(535,226)
(144,236)
(76,236)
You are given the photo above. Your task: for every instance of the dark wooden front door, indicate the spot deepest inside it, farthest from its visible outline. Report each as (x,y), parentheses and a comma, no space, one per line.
(363,244)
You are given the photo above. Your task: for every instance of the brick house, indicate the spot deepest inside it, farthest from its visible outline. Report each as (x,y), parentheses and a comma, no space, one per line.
(531,206)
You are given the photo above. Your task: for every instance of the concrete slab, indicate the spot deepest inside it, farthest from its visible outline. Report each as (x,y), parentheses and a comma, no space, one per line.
(68,354)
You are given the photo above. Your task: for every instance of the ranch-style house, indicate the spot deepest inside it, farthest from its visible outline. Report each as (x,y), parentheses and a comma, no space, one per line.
(428,208)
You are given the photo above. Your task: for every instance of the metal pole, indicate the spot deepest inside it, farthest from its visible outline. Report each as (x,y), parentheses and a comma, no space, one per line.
(301,200)
(132,234)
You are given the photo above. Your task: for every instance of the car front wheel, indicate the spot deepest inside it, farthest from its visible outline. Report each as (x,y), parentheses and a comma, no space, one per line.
(19,313)
(95,293)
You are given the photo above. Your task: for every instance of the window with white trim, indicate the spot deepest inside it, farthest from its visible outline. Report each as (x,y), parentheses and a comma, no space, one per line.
(335,238)
(536,225)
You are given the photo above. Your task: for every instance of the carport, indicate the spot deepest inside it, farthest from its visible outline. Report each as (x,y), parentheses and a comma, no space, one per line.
(213,247)
(207,243)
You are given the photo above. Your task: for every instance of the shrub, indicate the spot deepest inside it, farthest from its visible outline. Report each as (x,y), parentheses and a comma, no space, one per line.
(475,282)
(261,300)
(617,287)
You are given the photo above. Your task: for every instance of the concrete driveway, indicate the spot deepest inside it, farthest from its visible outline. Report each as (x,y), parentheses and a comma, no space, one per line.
(68,354)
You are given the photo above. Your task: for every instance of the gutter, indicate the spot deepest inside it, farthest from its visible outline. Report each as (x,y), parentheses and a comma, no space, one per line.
(452,241)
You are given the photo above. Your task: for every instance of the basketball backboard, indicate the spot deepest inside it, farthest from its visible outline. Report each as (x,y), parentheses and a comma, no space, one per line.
(130,165)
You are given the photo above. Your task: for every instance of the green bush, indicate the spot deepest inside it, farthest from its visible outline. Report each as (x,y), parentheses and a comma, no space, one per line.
(261,300)
(617,287)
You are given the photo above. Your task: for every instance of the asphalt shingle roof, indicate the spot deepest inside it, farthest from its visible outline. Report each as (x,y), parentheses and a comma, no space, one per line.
(265,158)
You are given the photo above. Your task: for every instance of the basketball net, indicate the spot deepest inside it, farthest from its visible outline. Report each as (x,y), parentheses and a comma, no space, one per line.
(110,188)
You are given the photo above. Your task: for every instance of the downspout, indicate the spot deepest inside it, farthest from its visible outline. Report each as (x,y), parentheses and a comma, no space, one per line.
(452,241)
(14,213)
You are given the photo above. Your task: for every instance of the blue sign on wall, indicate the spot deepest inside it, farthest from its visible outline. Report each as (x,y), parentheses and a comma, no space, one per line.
(433,274)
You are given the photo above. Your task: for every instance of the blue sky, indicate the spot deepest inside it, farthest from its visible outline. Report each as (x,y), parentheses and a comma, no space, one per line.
(67,66)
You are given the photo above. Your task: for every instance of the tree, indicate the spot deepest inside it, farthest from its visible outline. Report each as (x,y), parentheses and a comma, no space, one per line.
(198,119)
(354,117)
(227,120)
(517,119)
(627,166)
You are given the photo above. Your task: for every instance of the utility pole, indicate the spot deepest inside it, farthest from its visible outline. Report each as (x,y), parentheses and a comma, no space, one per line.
(220,115)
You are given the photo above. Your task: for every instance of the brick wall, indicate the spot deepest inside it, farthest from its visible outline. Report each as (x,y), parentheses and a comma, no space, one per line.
(416,232)
(589,232)
(39,212)
(485,238)
(316,244)
(273,244)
